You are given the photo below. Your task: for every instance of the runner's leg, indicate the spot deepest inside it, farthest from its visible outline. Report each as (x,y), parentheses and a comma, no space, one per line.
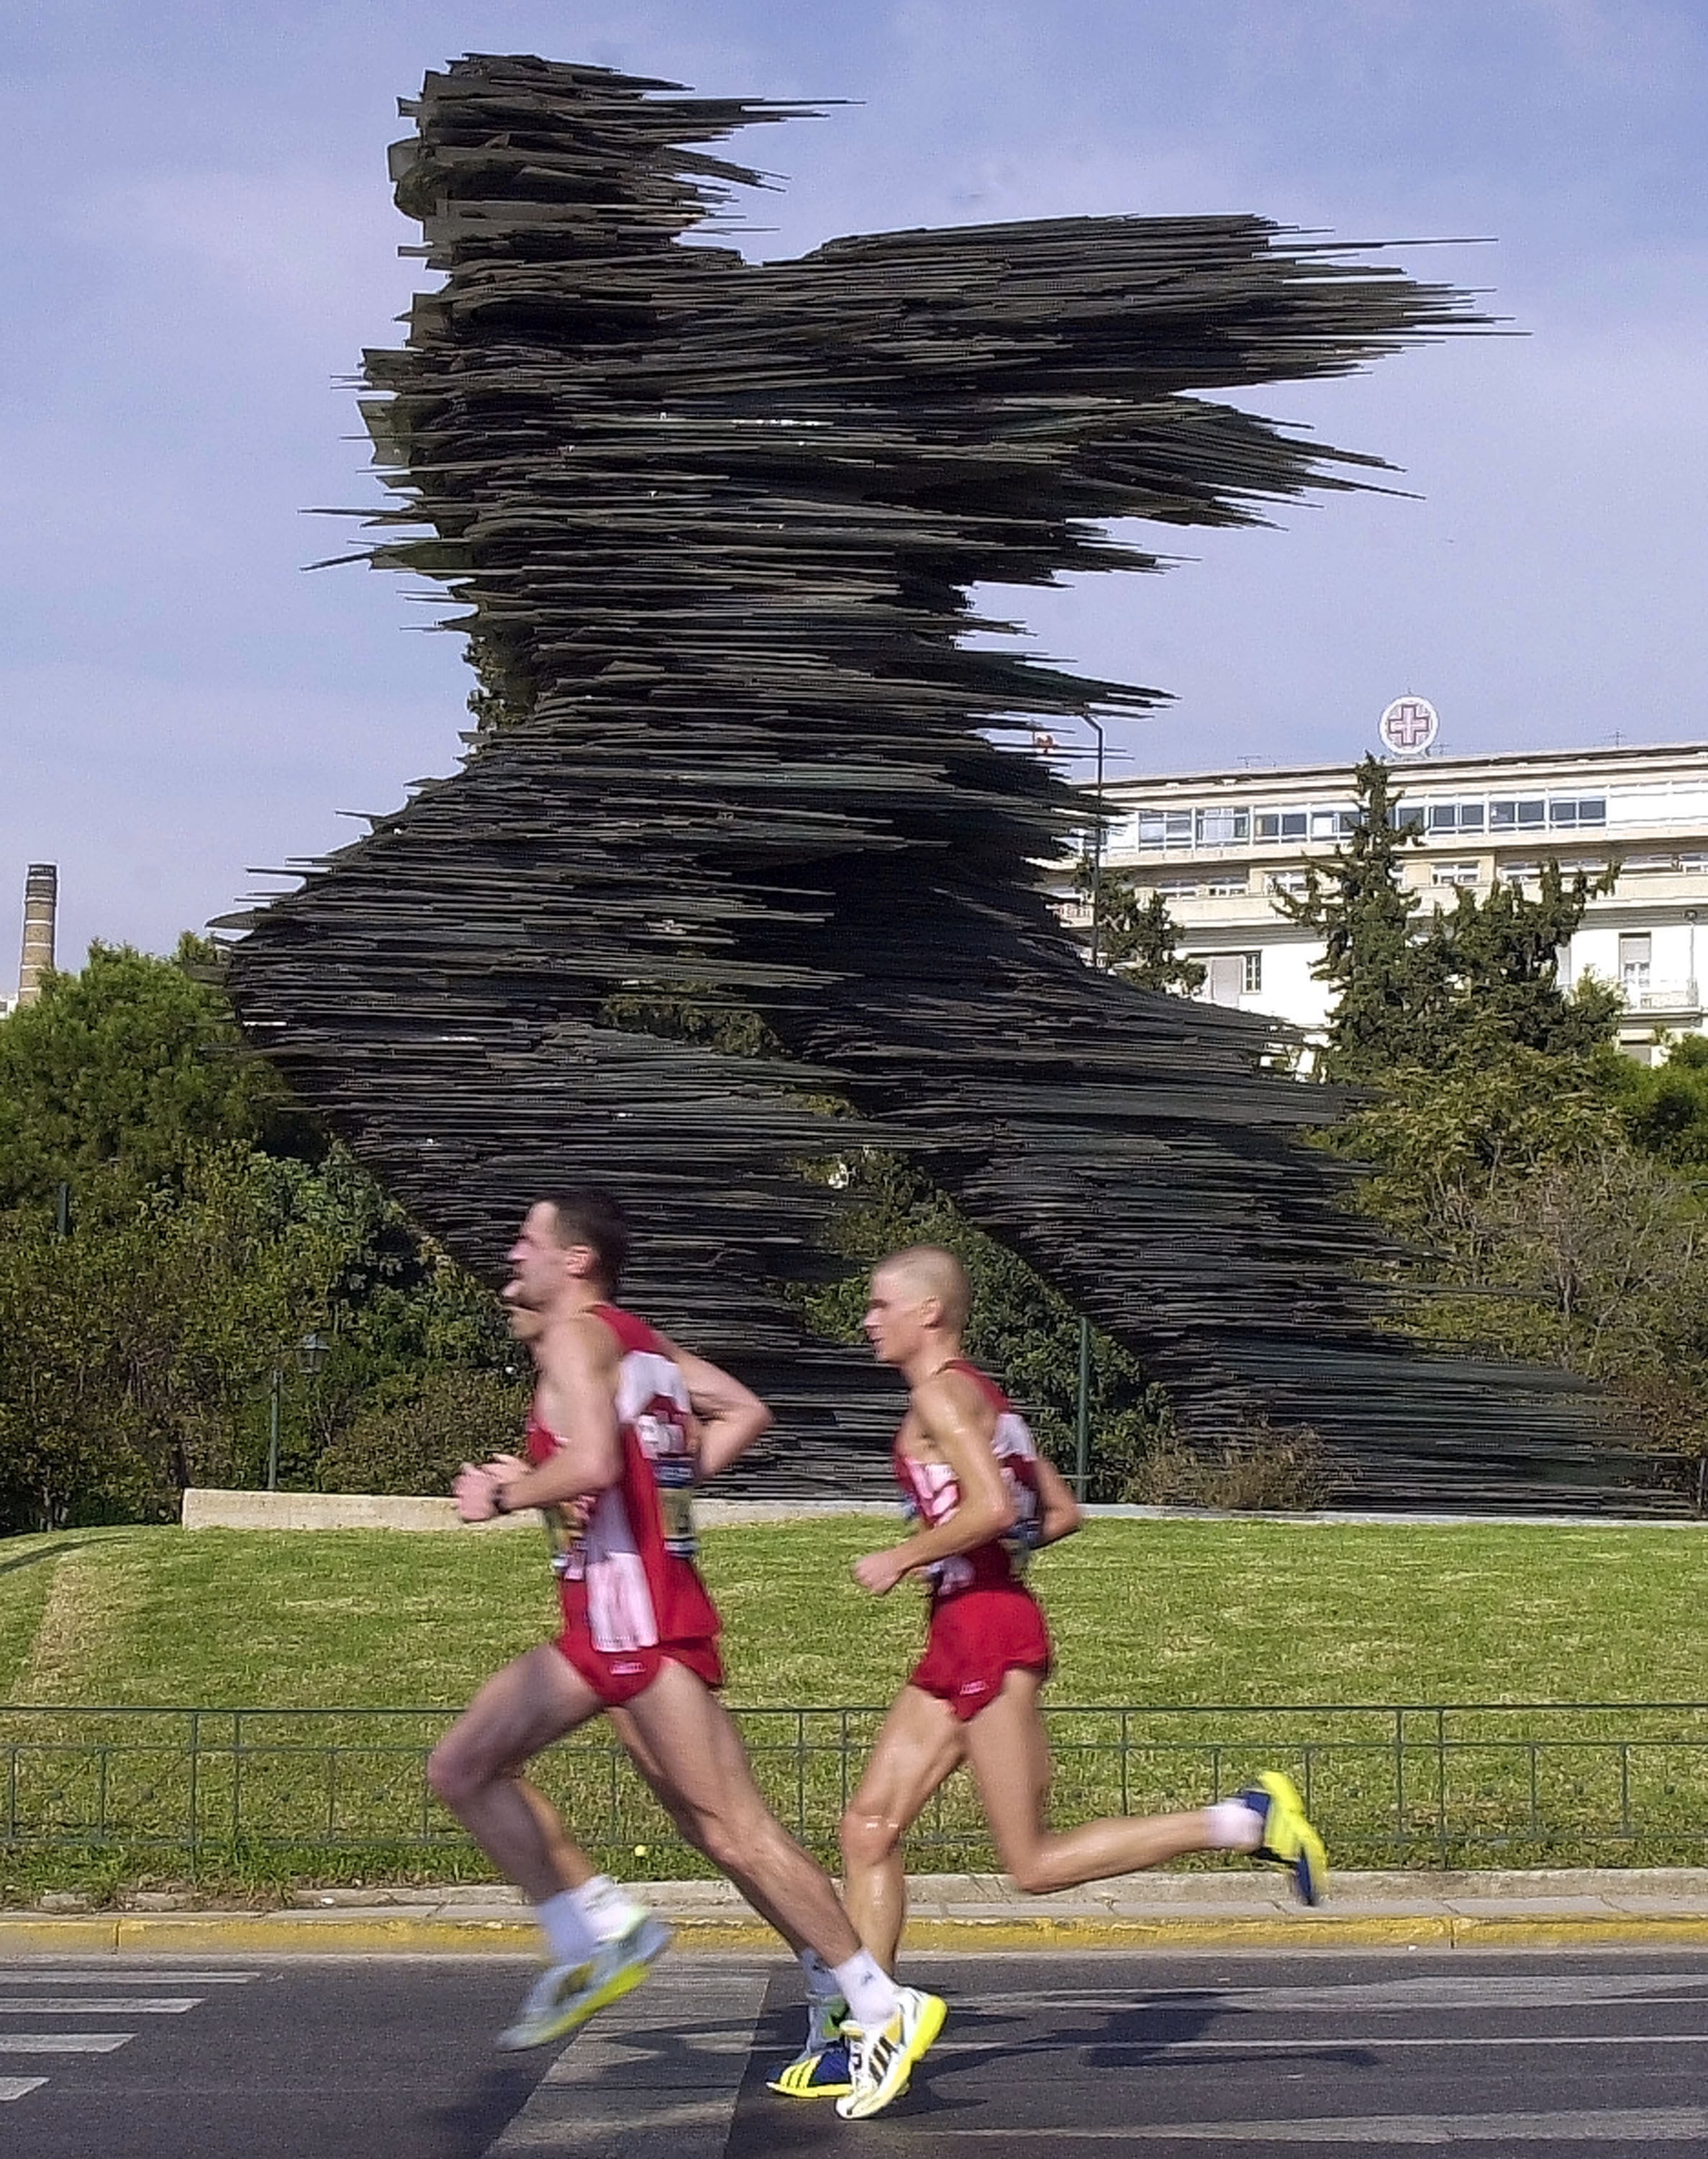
(1009,1757)
(708,1784)
(921,1744)
(701,1772)
(476,1771)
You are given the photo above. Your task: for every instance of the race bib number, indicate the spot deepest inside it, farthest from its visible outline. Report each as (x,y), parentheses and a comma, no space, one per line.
(675,1493)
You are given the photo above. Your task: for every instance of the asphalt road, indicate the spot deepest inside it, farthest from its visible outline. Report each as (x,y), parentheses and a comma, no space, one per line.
(1067,2056)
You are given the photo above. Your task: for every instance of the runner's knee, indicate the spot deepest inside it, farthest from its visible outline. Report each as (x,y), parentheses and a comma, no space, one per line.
(448,1773)
(457,1771)
(1029,1868)
(868,1835)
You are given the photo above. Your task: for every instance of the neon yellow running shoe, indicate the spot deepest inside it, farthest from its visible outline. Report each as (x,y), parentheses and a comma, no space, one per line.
(821,2069)
(1288,1838)
(881,2063)
(565,1996)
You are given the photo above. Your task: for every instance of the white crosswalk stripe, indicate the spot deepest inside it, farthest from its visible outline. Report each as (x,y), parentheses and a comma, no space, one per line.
(105,1976)
(58,1999)
(102,2005)
(63,2042)
(658,2079)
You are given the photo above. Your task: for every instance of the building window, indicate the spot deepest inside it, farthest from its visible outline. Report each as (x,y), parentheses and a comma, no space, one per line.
(1177,887)
(1283,824)
(1636,950)
(1290,881)
(1509,815)
(1456,873)
(1223,828)
(1165,828)
(1573,809)
(1519,872)
(1226,884)
(1408,814)
(1230,975)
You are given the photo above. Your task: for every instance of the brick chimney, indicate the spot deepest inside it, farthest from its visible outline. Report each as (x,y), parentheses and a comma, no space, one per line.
(41,903)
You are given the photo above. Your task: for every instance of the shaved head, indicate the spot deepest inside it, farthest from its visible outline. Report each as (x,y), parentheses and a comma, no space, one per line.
(933,1271)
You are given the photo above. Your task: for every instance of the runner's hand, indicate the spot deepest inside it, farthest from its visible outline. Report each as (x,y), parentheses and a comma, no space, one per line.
(879,1572)
(473,1492)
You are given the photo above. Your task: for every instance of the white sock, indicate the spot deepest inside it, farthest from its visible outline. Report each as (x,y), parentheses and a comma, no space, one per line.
(1233,1826)
(608,1907)
(868,1989)
(820,1980)
(571,1938)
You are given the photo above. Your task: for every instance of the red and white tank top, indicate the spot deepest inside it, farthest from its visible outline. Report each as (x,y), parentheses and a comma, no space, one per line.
(629,1568)
(931,1493)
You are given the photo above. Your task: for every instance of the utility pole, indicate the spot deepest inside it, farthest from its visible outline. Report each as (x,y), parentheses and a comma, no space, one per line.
(1082,1405)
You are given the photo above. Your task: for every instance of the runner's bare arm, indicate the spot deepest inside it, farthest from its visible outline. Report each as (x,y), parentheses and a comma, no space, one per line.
(1059,1515)
(729,1416)
(577,1401)
(959,1423)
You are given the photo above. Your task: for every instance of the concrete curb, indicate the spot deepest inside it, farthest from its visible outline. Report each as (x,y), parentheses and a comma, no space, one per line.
(367,1934)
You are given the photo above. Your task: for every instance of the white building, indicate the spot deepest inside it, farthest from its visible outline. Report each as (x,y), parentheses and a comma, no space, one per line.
(1218,845)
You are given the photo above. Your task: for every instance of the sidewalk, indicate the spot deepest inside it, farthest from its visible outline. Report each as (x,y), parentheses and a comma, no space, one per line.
(1575,1908)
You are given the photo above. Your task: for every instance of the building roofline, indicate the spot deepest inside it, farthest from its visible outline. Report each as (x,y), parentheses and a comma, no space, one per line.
(1600,753)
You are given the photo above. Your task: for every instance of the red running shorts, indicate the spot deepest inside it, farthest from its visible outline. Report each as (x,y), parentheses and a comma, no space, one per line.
(973,1639)
(616,1676)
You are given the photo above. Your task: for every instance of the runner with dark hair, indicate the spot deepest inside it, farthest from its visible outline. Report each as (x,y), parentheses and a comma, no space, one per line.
(617,1416)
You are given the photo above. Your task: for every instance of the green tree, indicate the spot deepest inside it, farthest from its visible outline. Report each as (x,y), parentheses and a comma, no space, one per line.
(1138,938)
(135,1351)
(1492,964)
(1464,983)
(132,1062)
(1361,909)
(1665,1107)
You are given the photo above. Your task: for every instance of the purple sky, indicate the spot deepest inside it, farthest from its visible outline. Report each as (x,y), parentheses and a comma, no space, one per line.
(200,242)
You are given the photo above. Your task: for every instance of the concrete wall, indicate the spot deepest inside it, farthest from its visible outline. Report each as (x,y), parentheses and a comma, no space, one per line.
(211,1510)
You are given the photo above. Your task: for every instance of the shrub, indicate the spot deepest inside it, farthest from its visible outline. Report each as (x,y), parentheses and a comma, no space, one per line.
(1264,1471)
(416,1430)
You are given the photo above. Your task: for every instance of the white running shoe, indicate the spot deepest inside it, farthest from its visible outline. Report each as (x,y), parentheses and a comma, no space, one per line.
(880,2063)
(565,1996)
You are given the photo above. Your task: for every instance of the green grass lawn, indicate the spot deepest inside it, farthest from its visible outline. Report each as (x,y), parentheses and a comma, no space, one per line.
(1169,1619)
(1170,1613)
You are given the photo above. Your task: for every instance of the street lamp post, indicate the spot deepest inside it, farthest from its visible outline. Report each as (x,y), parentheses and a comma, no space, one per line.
(310,1356)
(1082,1406)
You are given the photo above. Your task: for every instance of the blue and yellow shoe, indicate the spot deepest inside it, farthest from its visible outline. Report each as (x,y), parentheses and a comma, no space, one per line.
(821,2069)
(1288,1838)
(565,1996)
(824,2074)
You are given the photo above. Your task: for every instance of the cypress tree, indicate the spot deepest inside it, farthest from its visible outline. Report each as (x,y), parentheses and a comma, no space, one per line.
(1139,939)
(1471,981)
(1366,919)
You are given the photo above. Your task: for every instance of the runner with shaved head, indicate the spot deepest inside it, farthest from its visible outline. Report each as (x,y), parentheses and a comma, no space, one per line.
(981,1499)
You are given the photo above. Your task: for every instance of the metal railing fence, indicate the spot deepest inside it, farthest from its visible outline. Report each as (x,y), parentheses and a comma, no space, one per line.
(1421,1784)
